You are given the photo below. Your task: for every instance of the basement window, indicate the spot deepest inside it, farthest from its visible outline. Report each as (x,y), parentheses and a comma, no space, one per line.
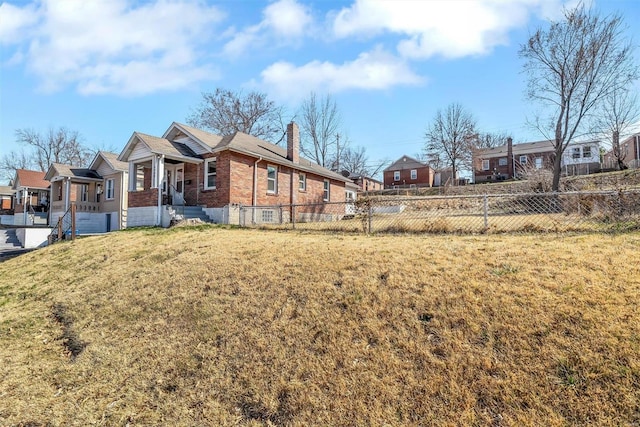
(267,216)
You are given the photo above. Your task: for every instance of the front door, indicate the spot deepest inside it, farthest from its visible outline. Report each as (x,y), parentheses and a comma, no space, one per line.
(178,186)
(174,184)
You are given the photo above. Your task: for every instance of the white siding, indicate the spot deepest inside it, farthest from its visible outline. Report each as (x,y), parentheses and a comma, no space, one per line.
(194,146)
(104,169)
(141,151)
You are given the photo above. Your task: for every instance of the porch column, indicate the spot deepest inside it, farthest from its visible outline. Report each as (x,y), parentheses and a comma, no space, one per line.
(67,194)
(25,195)
(158,163)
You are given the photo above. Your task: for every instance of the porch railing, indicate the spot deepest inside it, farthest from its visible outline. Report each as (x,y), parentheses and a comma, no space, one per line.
(66,226)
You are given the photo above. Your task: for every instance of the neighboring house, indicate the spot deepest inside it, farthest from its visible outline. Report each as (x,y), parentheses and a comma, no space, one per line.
(31,197)
(366,183)
(629,153)
(514,160)
(98,193)
(444,177)
(6,198)
(191,167)
(407,172)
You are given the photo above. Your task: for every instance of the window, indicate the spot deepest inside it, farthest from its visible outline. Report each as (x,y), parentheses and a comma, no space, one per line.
(267,216)
(210,173)
(84,192)
(523,160)
(272,179)
(302,182)
(396,175)
(575,153)
(327,189)
(502,161)
(139,177)
(110,187)
(414,174)
(586,151)
(538,162)
(485,165)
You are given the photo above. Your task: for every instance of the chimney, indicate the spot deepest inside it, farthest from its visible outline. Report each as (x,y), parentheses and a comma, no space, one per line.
(510,160)
(293,142)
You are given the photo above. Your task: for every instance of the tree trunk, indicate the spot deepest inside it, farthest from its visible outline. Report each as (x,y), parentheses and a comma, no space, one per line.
(557,170)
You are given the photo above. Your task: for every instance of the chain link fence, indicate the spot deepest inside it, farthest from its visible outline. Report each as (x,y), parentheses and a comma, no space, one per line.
(491,213)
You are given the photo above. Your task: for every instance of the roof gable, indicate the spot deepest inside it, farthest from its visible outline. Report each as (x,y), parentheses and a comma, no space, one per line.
(406,162)
(154,145)
(30,179)
(111,159)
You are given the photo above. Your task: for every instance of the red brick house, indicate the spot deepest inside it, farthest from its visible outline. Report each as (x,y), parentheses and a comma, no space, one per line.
(224,177)
(366,183)
(407,172)
(629,153)
(31,197)
(513,160)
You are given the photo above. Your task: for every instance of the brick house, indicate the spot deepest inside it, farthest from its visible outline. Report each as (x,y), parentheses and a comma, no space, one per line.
(407,172)
(366,183)
(629,153)
(513,160)
(31,197)
(99,193)
(219,175)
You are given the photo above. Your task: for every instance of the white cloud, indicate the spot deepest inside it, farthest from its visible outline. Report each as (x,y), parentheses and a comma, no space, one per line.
(287,18)
(15,21)
(375,70)
(451,29)
(284,21)
(112,46)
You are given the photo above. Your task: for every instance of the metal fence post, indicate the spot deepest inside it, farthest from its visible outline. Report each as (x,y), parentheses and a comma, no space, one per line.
(486,212)
(370,218)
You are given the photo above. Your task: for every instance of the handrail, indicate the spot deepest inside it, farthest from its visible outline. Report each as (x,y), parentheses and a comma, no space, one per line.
(65,224)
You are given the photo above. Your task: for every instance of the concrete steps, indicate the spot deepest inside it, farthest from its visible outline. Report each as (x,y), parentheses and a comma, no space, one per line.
(9,240)
(192,212)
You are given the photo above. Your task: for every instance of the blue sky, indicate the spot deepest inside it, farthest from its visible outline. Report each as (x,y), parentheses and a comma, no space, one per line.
(107,68)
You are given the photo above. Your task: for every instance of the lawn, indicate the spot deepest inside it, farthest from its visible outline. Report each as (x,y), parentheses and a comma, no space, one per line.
(217,326)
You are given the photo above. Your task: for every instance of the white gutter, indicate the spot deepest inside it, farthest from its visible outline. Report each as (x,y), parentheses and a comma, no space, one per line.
(255,188)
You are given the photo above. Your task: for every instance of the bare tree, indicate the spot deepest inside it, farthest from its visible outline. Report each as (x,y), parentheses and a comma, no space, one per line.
(490,140)
(572,66)
(12,161)
(450,137)
(56,146)
(619,112)
(225,112)
(320,123)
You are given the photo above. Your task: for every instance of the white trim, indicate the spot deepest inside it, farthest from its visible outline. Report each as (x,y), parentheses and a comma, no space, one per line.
(396,175)
(302,181)
(485,164)
(275,179)
(206,174)
(106,188)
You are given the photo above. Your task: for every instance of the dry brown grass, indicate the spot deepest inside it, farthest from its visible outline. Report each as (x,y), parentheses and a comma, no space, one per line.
(208,326)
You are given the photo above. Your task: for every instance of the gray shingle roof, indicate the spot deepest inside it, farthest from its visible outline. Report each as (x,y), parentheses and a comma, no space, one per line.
(71,171)
(166,147)
(255,147)
(112,159)
(406,162)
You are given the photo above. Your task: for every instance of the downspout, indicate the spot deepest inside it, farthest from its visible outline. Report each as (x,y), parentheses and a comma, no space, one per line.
(637,151)
(67,194)
(123,196)
(159,160)
(255,189)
